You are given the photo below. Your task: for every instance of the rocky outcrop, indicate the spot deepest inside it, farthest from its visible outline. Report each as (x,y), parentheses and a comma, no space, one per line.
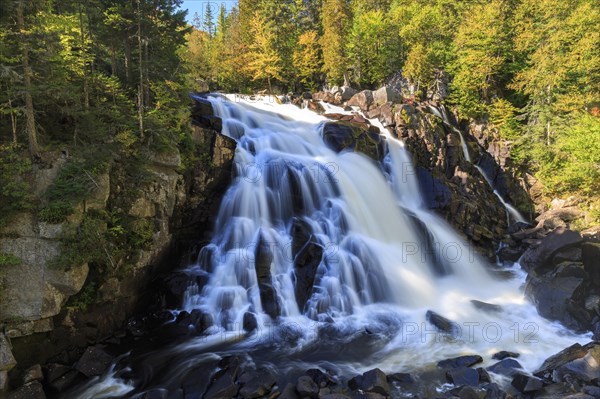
(450,184)
(171,203)
(353,136)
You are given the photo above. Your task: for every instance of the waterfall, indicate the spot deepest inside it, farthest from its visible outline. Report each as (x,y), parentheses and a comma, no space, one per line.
(385,261)
(511,211)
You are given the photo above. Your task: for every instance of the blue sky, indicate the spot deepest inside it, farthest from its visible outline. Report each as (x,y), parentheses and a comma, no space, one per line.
(199,6)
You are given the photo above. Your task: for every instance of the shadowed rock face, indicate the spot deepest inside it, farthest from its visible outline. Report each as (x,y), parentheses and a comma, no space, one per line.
(352,136)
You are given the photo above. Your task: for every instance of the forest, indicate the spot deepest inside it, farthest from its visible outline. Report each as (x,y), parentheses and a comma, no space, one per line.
(108,77)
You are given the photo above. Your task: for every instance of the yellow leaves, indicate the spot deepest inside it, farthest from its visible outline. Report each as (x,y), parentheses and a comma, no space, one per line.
(306,57)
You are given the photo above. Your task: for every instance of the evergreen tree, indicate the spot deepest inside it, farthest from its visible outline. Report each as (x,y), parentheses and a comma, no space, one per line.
(307,59)
(264,60)
(336,21)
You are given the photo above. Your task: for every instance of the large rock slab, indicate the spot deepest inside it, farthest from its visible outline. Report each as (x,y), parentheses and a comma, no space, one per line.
(538,258)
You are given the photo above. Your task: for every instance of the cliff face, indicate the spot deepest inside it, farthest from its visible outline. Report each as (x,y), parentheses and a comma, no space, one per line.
(46,305)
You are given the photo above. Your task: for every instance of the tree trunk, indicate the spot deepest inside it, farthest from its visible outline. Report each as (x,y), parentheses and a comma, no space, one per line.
(86,86)
(141,71)
(29,111)
(13,123)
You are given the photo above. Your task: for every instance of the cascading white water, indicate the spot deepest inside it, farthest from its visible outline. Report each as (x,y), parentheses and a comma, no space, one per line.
(511,211)
(387,259)
(371,226)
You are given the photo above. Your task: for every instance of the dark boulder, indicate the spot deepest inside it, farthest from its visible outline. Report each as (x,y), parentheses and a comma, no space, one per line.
(573,254)
(305,269)
(33,390)
(306,387)
(538,258)
(526,383)
(352,136)
(200,320)
(461,361)
(509,254)
(301,233)
(59,378)
(443,324)
(249,322)
(573,352)
(493,391)
(484,376)
(256,384)
(463,376)
(94,361)
(585,369)
(347,92)
(289,392)
(507,367)
(320,378)
(464,392)
(401,378)
(157,393)
(486,307)
(223,385)
(560,299)
(374,381)
(590,254)
(505,354)
(263,257)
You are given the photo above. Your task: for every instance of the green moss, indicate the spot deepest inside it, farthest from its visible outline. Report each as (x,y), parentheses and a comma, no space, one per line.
(9,259)
(84,298)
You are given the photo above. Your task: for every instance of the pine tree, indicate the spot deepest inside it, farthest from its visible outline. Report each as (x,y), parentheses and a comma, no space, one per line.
(209,23)
(264,61)
(308,59)
(335,20)
(482,46)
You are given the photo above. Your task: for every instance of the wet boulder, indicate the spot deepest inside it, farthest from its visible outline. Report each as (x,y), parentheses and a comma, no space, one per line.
(560,299)
(315,106)
(526,383)
(460,361)
(507,367)
(306,263)
(306,387)
(539,258)
(486,307)
(504,355)
(443,324)
(94,361)
(321,378)
(263,258)
(256,383)
(463,376)
(493,391)
(585,369)
(371,381)
(249,322)
(351,136)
